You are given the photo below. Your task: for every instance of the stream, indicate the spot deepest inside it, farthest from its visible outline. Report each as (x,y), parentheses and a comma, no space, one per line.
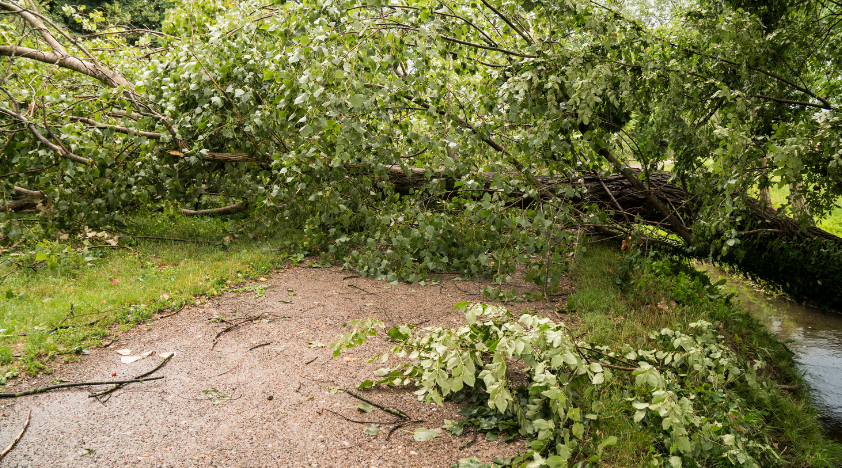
(814,337)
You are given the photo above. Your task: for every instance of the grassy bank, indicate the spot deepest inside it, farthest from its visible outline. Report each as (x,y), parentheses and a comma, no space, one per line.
(60,312)
(621,301)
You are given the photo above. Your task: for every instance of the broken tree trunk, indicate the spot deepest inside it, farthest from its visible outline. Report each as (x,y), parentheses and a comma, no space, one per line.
(804,261)
(24,199)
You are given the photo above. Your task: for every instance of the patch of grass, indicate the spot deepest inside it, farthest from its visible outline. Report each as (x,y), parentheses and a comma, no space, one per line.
(54,312)
(832,223)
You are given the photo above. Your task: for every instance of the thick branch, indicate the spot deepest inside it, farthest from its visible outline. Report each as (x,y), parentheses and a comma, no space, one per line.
(230,157)
(37,24)
(225,210)
(98,72)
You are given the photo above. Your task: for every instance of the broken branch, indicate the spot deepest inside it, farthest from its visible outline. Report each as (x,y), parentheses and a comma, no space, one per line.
(396,412)
(72,384)
(14,442)
(141,376)
(233,326)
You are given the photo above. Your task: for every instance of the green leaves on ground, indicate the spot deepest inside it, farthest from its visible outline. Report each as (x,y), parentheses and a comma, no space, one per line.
(423,434)
(682,389)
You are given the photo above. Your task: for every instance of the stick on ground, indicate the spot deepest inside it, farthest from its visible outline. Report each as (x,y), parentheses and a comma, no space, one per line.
(400,425)
(12,445)
(397,413)
(357,420)
(233,326)
(141,376)
(73,384)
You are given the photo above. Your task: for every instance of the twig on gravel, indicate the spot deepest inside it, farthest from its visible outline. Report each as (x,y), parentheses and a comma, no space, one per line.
(73,384)
(170,314)
(465,292)
(311,360)
(229,370)
(12,445)
(350,277)
(260,345)
(471,442)
(358,421)
(233,326)
(396,412)
(141,376)
(361,289)
(403,423)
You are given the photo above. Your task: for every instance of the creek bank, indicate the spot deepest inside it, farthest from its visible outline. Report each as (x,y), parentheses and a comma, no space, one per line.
(813,334)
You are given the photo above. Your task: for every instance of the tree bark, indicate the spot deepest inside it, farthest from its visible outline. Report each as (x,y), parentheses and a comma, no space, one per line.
(27,199)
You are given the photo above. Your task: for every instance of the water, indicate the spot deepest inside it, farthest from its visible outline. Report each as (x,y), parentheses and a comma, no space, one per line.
(816,340)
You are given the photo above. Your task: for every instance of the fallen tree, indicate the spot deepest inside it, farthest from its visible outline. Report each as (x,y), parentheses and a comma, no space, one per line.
(241,109)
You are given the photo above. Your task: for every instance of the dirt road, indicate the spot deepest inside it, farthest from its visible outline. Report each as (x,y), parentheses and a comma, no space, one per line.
(261,396)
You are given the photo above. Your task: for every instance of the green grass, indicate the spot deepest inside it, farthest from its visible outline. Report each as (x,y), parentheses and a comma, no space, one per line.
(603,313)
(832,223)
(125,287)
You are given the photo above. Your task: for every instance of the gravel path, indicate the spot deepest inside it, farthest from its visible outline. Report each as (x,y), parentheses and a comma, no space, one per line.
(242,405)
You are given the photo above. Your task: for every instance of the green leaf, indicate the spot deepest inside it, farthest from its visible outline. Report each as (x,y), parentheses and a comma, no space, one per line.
(365,407)
(423,434)
(372,431)
(578,430)
(683,444)
(40,256)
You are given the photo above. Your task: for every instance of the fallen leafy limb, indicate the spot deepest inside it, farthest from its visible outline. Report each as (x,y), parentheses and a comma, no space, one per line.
(141,376)
(20,434)
(73,384)
(564,399)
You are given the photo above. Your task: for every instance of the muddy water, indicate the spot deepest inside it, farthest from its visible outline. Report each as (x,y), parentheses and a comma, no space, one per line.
(815,338)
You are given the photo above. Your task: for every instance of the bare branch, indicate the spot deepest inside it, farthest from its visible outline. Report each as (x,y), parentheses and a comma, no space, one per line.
(61,151)
(480,46)
(509,22)
(116,128)
(787,101)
